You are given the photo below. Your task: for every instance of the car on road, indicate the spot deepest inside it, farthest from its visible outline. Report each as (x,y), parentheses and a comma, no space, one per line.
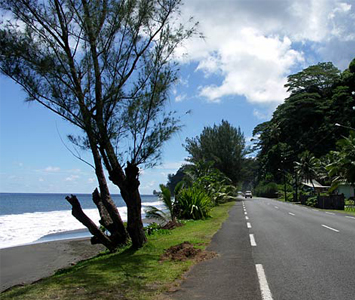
(248,194)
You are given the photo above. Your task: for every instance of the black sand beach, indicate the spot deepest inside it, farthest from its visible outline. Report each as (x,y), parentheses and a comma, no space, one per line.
(27,264)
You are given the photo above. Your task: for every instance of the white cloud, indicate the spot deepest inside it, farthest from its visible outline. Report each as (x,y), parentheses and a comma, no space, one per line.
(180,98)
(72,178)
(171,165)
(252,65)
(262,115)
(251,45)
(52,169)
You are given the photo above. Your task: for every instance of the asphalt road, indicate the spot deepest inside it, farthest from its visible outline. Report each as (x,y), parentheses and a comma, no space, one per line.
(274,250)
(305,253)
(231,275)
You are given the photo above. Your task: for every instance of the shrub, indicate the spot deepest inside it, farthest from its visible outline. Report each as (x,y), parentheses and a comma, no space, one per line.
(193,203)
(269,190)
(312,201)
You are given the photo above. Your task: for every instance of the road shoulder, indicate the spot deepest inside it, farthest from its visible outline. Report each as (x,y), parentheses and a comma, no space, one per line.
(231,275)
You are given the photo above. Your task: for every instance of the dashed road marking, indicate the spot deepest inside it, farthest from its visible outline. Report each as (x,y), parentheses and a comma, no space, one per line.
(330,228)
(245,213)
(276,207)
(264,286)
(291,214)
(248,225)
(329,213)
(350,217)
(252,240)
(246,218)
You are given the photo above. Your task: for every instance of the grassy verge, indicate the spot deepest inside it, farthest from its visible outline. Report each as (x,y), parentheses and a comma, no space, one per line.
(127,274)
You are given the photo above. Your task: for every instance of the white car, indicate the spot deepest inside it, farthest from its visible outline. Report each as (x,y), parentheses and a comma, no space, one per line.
(248,194)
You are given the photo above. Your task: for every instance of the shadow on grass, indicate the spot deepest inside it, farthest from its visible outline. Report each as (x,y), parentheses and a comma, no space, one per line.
(97,278)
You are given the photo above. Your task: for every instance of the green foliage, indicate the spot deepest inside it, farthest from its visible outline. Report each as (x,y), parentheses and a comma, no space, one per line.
(312,201)
(306,167)
(156,229)
(162,215)
(224,145)
(194,203)
(216,184)
(266,189)
(343,167)
(320,97)
(321,76)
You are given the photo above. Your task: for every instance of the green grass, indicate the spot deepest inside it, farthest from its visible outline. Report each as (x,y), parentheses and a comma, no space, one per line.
(127,274)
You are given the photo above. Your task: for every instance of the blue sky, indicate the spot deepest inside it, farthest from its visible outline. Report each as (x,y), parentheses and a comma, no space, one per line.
(236,73)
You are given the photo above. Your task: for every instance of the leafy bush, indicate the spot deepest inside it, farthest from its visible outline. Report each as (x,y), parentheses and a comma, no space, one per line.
(156,229)
(193,203)
(312,201)
(268,190)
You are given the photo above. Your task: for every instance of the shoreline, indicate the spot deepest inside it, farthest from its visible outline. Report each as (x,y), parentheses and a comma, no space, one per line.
(25,264)
(67,235)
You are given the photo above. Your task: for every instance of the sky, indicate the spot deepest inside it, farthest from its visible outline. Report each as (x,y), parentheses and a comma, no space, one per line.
(236,73)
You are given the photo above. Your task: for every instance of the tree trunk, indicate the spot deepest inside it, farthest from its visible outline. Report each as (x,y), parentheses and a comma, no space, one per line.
(98,235)
(117,229)
(131,196)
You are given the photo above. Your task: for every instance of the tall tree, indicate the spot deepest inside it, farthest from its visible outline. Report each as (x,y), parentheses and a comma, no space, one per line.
(223,144)
(105,67)
(320,97)
(342,168)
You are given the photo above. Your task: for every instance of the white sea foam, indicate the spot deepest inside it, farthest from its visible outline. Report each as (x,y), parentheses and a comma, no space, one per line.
(22,229)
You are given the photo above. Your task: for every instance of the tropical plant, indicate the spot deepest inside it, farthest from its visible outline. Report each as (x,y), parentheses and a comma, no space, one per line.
(343,166)
(193,203)
(306,167)
(164,215)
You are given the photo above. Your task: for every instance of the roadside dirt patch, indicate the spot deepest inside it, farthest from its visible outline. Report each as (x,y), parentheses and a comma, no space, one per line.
(185,251)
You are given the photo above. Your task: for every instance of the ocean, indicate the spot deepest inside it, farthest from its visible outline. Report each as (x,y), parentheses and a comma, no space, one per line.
(33,218)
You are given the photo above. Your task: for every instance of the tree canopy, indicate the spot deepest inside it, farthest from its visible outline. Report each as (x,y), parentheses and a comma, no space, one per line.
(321,96)
(105,66)
(223,144)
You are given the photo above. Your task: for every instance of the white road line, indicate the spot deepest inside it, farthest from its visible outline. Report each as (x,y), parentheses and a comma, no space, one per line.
(329,213)
(252,240)
(350,217)
(245,213)
(246,218)
(276,207)
(291,214)
(248,225)
(264,286)
(330,228)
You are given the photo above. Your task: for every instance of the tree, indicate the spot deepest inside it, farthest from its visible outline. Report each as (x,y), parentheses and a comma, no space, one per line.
(342,168)
(174,179)
(306,167)
(224,145)
(320,97)
(105,67)
(316,78)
